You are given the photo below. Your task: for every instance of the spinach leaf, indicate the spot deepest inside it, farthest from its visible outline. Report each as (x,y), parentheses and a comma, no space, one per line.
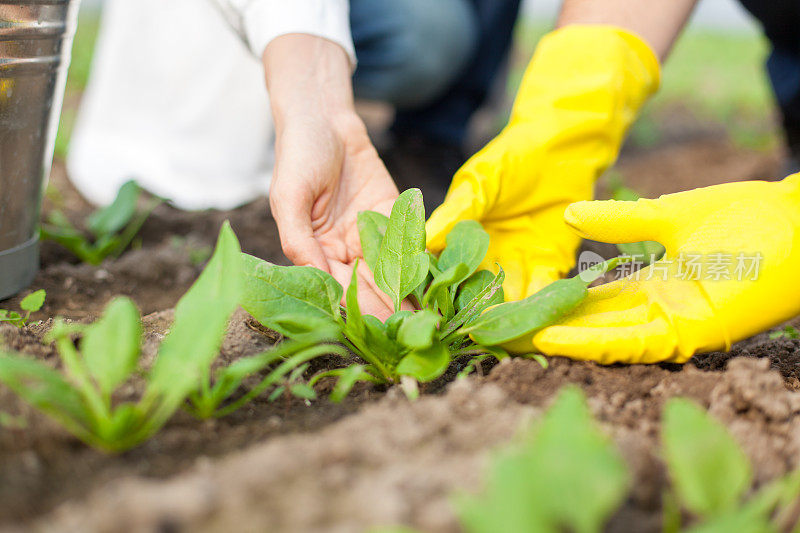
(566,464)
(46,390)
(491,294)
(708,468)
(467,243)
(419,330)
(30,304)
(33,302)
(111,345)
(393,322)
(439,288)
(475,285)
(114,217)
(402,263)
(354,327)
(113,228)
(371,229)
(513,320)
(272,291)
(425,364)
(201,320)
(387,350)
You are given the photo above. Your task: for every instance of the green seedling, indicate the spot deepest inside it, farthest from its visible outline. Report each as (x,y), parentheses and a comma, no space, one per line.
(419,345)
(279,369)
(788,332)
(711,477)
(30,304)
(450,291)
(197,255)
(293,385)
(84,396)
(109,231)
(564,476)
(645,252)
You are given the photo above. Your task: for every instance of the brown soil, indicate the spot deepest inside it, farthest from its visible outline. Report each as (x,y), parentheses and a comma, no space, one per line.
(376,459)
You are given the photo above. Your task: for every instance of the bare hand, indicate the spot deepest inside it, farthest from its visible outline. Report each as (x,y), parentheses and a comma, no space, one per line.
(325,173)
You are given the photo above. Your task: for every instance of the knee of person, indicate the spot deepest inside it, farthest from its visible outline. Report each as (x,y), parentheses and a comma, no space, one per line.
(434,45)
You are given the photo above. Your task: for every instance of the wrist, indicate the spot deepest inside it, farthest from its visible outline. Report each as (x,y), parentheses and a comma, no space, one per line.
(306,76)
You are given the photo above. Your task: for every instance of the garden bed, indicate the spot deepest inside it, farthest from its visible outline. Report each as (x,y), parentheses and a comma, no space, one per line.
(375,459)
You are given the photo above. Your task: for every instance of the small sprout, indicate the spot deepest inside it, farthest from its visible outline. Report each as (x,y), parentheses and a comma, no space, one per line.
(788,332)
(30,304)
(112,228)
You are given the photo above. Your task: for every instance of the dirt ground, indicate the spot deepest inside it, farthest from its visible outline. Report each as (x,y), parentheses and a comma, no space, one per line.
(376,459)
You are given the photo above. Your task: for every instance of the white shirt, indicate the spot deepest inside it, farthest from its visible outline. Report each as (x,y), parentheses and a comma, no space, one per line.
(260,21)
(176,101)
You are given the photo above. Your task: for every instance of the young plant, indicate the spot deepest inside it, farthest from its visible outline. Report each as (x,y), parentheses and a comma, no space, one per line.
(711,477)
(788,332)
(450,292)
(30,304)
(565,476)
(419,345)
(82,395)
(284,365)
(112,228)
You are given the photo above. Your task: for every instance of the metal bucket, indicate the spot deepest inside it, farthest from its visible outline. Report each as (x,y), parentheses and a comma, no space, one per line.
(35,44)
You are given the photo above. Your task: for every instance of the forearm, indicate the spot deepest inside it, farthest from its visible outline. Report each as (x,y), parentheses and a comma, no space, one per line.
(658,22)
(307,74)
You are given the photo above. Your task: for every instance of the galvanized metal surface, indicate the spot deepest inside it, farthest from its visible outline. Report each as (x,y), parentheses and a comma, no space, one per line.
(35,42)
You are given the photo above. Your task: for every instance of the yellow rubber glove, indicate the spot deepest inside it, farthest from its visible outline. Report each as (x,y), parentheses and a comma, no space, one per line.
(580,93)
(731,270)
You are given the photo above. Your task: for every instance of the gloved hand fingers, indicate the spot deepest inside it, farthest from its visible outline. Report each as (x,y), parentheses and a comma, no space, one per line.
(617,221)
(647,342)
(464,201)
(607,318)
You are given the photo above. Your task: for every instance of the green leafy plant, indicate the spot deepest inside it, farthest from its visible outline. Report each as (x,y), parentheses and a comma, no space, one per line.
(109,231)
(645,252)
(30,304)
(566,475)
(280,369)
(788,332)
(83,395)
(711,477)
(450,292)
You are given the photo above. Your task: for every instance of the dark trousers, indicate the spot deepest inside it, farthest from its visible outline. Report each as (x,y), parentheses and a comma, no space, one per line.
(435,60)
(781,22)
